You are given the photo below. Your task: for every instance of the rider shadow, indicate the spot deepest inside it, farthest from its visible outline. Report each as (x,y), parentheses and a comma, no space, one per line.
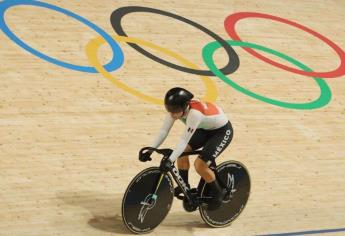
(104,208)
(106,212)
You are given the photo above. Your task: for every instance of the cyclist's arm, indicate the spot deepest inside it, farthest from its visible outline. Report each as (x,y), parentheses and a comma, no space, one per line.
(193,120)
(164,131)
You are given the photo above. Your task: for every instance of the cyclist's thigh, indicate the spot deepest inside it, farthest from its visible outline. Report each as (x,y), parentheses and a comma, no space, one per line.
(217,143)
(198,139)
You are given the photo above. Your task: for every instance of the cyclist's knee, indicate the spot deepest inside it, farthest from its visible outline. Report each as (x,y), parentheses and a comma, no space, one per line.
(183,163)
(200,165)
(188,148)
(183,160)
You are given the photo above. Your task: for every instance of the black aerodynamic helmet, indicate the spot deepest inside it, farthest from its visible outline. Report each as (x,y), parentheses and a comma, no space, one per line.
(176,99)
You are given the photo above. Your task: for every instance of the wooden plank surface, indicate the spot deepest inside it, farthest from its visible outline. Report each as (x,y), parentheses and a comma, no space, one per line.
(69,139)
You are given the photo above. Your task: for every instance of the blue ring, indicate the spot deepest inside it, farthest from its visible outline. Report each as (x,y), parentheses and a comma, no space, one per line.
(114,64)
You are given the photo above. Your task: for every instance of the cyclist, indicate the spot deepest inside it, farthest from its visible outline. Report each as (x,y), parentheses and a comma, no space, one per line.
(207,127)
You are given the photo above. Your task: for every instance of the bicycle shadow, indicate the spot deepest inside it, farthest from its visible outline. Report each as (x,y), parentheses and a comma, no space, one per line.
(106,212)
(104,208)
(184,221)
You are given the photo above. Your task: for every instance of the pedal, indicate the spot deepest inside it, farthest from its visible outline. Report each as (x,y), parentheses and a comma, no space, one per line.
(179,194)
(180,197)
(194,191)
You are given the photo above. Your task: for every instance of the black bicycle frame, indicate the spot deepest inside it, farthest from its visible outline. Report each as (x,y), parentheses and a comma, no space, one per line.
(174,171)
(175,174)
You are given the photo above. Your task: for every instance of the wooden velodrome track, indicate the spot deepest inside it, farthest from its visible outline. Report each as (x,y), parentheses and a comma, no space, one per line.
(69,139)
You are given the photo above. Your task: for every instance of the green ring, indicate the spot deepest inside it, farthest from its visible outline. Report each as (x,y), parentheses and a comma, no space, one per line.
(324,98)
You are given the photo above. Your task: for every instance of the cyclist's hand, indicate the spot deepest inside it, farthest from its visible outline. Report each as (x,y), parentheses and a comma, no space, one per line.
(143,157)
(165,165)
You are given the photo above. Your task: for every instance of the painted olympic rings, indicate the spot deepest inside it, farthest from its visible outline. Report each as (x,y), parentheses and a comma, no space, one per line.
(323,99)
(114,64)
(234,18)
(119,13)
(92,49)
(207,52)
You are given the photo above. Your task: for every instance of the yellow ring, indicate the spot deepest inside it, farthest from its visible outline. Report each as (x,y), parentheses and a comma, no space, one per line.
(93,46)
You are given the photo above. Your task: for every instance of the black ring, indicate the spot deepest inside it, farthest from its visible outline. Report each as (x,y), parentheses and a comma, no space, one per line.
(118,14)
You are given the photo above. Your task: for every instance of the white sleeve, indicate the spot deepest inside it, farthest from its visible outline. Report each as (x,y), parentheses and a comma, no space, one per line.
(164,131)
(193,120)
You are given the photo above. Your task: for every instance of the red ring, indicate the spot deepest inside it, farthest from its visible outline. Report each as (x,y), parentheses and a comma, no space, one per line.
(231,20)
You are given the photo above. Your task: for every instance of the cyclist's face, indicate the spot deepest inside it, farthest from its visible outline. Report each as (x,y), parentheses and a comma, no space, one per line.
(176,115)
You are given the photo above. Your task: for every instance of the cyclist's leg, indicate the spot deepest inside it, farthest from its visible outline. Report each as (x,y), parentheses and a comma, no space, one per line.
(217,141)
(183,168)
(197,141)
(216,144)
(183,162)
(203,170)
